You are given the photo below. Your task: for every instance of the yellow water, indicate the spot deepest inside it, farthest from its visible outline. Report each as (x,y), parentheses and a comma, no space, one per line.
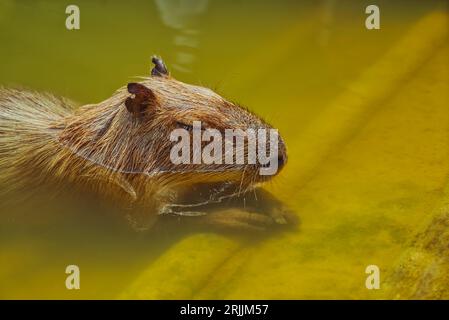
(364,114)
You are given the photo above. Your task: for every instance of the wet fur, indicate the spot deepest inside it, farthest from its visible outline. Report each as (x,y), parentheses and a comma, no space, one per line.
(107,150)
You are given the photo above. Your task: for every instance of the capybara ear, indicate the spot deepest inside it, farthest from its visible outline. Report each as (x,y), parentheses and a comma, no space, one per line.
(144,98)
(159,69)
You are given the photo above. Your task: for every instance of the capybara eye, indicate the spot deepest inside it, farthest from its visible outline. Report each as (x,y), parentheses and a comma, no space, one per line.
(184,126)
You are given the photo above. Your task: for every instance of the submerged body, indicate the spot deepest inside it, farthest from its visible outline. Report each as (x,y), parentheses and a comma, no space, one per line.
(119,150)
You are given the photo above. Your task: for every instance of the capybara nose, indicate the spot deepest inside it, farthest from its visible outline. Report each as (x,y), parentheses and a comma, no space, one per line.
(282,160)
(282,154)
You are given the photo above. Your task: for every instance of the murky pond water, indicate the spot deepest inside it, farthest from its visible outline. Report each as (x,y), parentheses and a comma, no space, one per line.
(361,182)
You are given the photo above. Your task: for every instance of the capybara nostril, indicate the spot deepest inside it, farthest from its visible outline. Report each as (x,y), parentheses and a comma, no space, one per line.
(282,160)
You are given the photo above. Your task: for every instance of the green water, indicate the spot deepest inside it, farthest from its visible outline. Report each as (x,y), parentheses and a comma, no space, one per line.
(286,60)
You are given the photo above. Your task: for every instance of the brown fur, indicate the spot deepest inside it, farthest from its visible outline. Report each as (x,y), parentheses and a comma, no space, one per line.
(109,150)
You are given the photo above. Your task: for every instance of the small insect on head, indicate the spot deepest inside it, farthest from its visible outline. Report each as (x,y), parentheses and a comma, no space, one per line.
(159,69)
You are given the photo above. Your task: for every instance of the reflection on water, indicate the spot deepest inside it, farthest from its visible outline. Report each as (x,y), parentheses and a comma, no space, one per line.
(182,16)
(327,16)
